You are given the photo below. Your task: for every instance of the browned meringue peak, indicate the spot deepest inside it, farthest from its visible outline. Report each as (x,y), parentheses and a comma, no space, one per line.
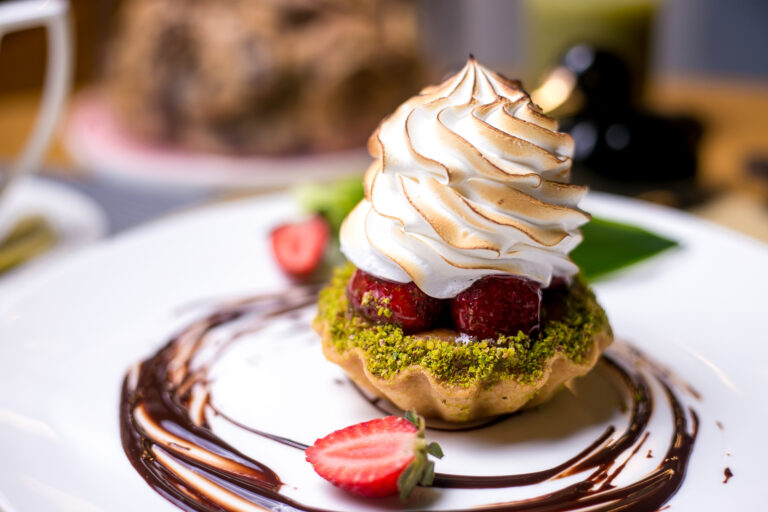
(470,179)
(479,219)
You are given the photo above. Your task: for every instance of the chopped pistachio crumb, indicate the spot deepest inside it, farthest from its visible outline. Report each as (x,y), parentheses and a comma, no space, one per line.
(381,304)
(522,357)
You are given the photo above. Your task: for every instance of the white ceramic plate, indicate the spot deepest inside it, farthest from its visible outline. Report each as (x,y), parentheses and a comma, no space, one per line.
(66,343)
(75,218)
(97,142)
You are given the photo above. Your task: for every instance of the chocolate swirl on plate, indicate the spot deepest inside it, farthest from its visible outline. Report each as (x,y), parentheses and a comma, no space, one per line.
(168,440)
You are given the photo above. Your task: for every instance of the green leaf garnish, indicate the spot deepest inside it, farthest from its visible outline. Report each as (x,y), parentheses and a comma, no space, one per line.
(610,245)
(331,200)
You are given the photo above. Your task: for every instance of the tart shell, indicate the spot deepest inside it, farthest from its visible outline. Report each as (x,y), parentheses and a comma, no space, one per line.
(440,374)
(415,389)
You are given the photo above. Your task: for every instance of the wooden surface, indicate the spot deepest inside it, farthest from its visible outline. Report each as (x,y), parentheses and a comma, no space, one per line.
(734,113)
(18,111)
(735,117)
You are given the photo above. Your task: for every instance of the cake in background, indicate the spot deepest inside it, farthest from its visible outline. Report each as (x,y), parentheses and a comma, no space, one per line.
(261,76)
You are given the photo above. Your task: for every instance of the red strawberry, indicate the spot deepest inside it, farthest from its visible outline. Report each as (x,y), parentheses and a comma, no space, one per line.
(559,282)
(402,304)
(553,297)
(499,304)
(380,457)
(299,247)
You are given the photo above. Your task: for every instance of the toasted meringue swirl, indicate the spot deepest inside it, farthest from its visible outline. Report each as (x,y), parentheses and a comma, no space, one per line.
(469,179)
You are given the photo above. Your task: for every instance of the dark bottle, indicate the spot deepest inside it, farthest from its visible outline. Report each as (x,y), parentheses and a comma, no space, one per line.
(617,142)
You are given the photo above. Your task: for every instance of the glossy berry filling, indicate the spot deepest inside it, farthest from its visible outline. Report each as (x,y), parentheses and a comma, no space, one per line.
(492,306)
(402,304)
(497,305)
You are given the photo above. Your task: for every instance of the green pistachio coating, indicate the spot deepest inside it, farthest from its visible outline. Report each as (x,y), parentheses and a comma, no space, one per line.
(522,357)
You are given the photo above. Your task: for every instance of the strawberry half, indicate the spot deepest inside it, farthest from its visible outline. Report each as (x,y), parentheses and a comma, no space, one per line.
(498,304)
(388,302)
(299,247)
(376,458)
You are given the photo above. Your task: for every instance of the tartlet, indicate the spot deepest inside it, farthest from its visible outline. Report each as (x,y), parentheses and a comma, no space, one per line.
(435,374)
(460,301)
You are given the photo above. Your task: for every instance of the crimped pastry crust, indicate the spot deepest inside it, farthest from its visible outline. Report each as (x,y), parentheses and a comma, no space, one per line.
(417,390)
(439,375)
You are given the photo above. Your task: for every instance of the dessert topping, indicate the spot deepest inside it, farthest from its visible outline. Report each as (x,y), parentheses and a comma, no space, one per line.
(376,458)
(499,304)
(401,304)
(470,180)
(299,247)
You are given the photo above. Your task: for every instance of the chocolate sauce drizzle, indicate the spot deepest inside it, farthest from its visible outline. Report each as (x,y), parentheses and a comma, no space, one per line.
(168,441)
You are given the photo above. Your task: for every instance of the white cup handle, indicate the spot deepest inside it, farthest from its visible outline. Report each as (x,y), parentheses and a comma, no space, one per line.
(54,16)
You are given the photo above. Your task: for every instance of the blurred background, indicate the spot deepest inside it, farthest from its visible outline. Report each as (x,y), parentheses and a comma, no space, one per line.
(176,103)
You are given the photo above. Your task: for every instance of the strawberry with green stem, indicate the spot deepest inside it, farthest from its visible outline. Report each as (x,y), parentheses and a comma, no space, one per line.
(376,458)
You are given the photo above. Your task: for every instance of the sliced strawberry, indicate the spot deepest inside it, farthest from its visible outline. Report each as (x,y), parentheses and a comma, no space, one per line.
(376,458)
(499,304)
(402,304)
(299,247)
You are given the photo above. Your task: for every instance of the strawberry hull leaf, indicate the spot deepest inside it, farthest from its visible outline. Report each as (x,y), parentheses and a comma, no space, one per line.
(422,470)
(414,418)
(409,479)
(434,449)
(395,460)
(429,474)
